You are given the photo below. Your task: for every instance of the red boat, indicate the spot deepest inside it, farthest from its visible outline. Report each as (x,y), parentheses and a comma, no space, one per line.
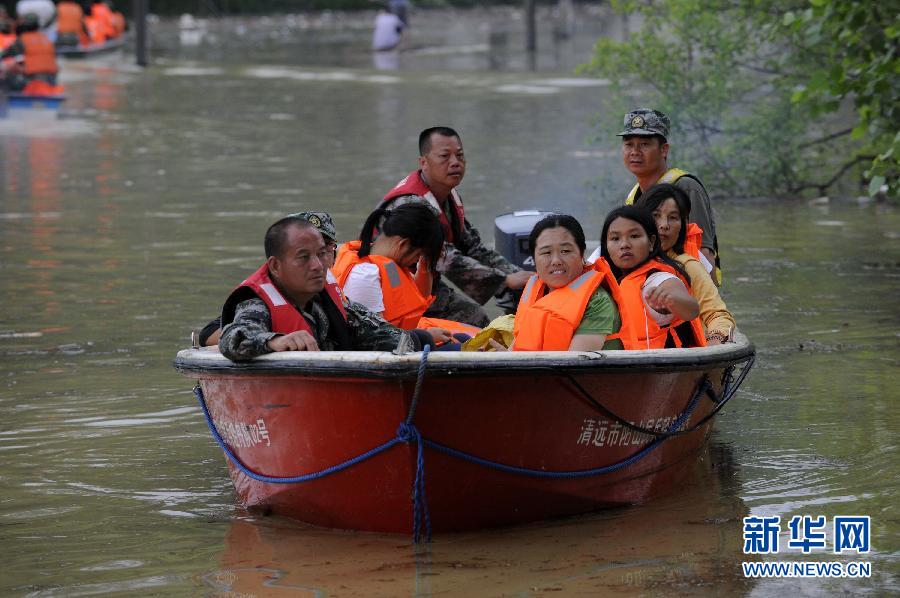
(346,440)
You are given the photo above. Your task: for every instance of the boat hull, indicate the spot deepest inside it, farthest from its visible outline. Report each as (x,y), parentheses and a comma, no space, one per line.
(84,51)
(545,416)
(45,102)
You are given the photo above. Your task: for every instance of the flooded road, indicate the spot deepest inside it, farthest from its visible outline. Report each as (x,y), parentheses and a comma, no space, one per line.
(125,223)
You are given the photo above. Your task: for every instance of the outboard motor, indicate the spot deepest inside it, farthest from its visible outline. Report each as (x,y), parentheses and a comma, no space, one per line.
(511,232)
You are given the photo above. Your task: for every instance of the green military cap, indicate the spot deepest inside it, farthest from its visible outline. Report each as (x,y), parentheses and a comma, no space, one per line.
(322,221)
(644,121)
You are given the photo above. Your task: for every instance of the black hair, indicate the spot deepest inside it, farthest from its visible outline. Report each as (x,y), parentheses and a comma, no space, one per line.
(425,137)
(643,217)
(276,235)
(557,221)
(415,221)
(657,195)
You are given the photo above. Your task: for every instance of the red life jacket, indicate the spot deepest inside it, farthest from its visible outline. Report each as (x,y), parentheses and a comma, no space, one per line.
(547,321)
(6,40)
(413,184)
(404,303)
(285,317)
(640,329)
(40,53)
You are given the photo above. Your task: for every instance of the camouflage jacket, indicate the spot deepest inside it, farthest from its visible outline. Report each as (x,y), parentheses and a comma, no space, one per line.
(479,272)
(246,337)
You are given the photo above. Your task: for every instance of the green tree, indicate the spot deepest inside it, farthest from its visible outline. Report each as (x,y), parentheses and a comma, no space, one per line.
(770,97)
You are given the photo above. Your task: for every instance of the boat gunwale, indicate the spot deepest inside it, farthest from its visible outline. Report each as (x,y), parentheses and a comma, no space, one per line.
(79,51)
(209,363)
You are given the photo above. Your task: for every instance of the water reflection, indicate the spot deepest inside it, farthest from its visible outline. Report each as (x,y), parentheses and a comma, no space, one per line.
(688,540)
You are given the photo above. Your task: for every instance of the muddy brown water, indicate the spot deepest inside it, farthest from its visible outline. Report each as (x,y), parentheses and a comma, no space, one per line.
(124,223)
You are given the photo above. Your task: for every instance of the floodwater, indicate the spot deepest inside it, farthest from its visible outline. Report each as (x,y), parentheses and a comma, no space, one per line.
(125,222)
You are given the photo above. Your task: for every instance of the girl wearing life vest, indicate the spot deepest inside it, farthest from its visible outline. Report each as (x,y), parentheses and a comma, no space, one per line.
(655,299)
(567,305)
(671,207)
(377,272)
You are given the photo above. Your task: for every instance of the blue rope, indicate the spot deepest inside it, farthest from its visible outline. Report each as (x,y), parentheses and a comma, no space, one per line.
(409,433)
(198,392)
(420,375)
(537,473)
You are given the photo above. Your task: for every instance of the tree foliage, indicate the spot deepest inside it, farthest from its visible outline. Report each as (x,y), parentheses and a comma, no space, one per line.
(768,96)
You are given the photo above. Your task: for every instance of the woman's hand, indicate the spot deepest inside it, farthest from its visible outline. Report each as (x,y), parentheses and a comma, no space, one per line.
(672,296)
(495,345)
(424,278)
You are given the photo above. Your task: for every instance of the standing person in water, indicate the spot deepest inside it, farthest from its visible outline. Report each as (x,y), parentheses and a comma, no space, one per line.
(567,305)
(671,207)
(645,150)
(377,271)
(654,293)
(387,32)
(477,271)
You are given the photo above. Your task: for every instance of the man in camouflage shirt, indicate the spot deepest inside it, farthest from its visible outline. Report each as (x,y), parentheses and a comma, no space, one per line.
(479,272)
(307,316)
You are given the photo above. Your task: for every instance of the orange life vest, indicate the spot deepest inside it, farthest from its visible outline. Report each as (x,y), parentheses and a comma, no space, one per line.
(118,22)
(68,18)
(547,320)
(101,12)
(413,184)
(285,317)
(639,329)
(96,30)
(40,53)
(692,240)
(404,304)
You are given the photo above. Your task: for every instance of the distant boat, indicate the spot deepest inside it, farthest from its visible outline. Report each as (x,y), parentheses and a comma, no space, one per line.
(22,100)
(491,439)
(83,51)
(36,94)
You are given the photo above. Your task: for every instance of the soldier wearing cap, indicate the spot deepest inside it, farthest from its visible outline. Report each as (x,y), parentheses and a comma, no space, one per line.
(323,222)
(645,148)
(477,271)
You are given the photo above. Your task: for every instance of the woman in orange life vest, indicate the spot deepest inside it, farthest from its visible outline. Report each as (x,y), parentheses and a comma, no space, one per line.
(377,272)
(657,307)
(566,306)
(671,208)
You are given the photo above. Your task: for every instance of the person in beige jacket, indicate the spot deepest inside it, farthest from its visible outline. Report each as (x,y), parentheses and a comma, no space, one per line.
(671,207)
